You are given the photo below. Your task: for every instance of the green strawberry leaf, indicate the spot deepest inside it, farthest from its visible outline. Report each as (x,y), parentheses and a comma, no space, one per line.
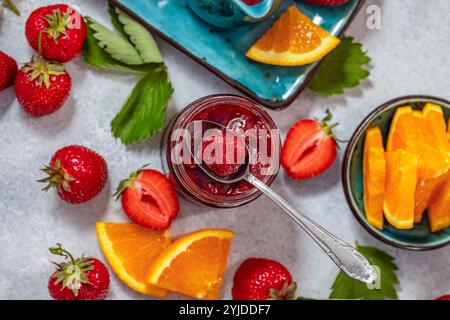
(116,46)
(345,287)
(98,58)
(144,112)
(138,35)
(343,68)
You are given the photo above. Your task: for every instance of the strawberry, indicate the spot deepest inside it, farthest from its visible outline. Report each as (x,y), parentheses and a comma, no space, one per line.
(42,87)
(8,71)
(149,199)
(223,154)
(64,32)
(309,149)
(78,279)
(262,279)
(328,2)
(78,173)
(444,298)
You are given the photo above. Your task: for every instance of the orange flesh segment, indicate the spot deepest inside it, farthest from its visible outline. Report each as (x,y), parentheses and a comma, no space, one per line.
(194,264)
(130,251)
(294,39)
(412,131)
(439,211)
(374,171)
(401,178)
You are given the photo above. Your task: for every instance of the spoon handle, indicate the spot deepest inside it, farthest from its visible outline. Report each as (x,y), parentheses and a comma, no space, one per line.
(343,255)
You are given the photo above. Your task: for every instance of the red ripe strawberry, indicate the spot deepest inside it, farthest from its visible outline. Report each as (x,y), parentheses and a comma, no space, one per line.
(262,279)
(328,2)
(64,32)
(8,71)
(78,173)
(42,87)
(444,298)
(309,149)
(78,279)
(149,199)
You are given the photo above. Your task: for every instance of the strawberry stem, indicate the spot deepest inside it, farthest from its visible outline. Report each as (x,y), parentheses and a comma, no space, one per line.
(12,6)
(40,45)
(59,251)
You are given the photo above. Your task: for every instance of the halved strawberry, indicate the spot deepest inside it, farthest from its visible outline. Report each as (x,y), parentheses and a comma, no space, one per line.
(149,199)
(309,149)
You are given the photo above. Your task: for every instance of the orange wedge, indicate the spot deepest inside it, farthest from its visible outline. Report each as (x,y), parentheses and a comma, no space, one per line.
(434,117)
(401,178)
(294,40)
(374,171)
(439,211)
(402,133)
(411,130)
(194,264)
(130,250)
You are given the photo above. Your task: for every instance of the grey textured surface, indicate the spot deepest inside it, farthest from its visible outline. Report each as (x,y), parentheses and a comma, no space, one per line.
(410,56)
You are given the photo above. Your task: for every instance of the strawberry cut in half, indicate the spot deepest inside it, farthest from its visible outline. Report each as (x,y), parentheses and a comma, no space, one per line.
(310,148)
(149,199)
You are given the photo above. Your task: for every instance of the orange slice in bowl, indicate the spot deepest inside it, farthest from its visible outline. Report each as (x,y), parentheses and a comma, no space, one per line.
(401,179)
(194,264)
(374,171)
(439,211)
(401,135)
(435,120)
(294,40)
(130,250)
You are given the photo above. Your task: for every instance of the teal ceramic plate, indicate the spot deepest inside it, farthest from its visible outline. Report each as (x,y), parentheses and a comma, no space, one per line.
(222,51)
(419,238)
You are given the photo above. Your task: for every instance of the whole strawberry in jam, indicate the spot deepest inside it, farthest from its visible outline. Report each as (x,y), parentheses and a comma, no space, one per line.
(223,154)
(78,174)
(262,279)
(8,71)
(78,279)
(64,32)
(42,87)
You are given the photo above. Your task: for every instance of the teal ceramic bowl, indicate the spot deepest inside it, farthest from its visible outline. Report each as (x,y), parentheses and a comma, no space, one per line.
(419,238)
(231,13)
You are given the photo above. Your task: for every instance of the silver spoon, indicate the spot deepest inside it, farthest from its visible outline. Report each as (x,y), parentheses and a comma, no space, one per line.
(343,255)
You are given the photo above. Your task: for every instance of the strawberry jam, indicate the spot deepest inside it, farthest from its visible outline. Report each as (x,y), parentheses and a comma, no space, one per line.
(234,133)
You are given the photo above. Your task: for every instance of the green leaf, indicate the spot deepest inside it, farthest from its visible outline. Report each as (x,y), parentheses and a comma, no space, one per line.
(96,57)
(138,35)
(343,68)
(144,112)
(345,287)
(115,45)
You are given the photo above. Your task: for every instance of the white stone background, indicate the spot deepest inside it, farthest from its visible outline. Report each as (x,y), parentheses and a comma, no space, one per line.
(409,56)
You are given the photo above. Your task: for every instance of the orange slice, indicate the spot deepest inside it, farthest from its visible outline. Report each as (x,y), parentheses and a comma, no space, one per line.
(401,178)
(401,133)
(374,171)
(435,120)
(294,40)
(411,130)
(130,250)
(439,211)
(194,264)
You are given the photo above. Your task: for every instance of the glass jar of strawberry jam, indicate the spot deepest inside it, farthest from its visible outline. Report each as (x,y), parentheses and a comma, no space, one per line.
(235,114)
